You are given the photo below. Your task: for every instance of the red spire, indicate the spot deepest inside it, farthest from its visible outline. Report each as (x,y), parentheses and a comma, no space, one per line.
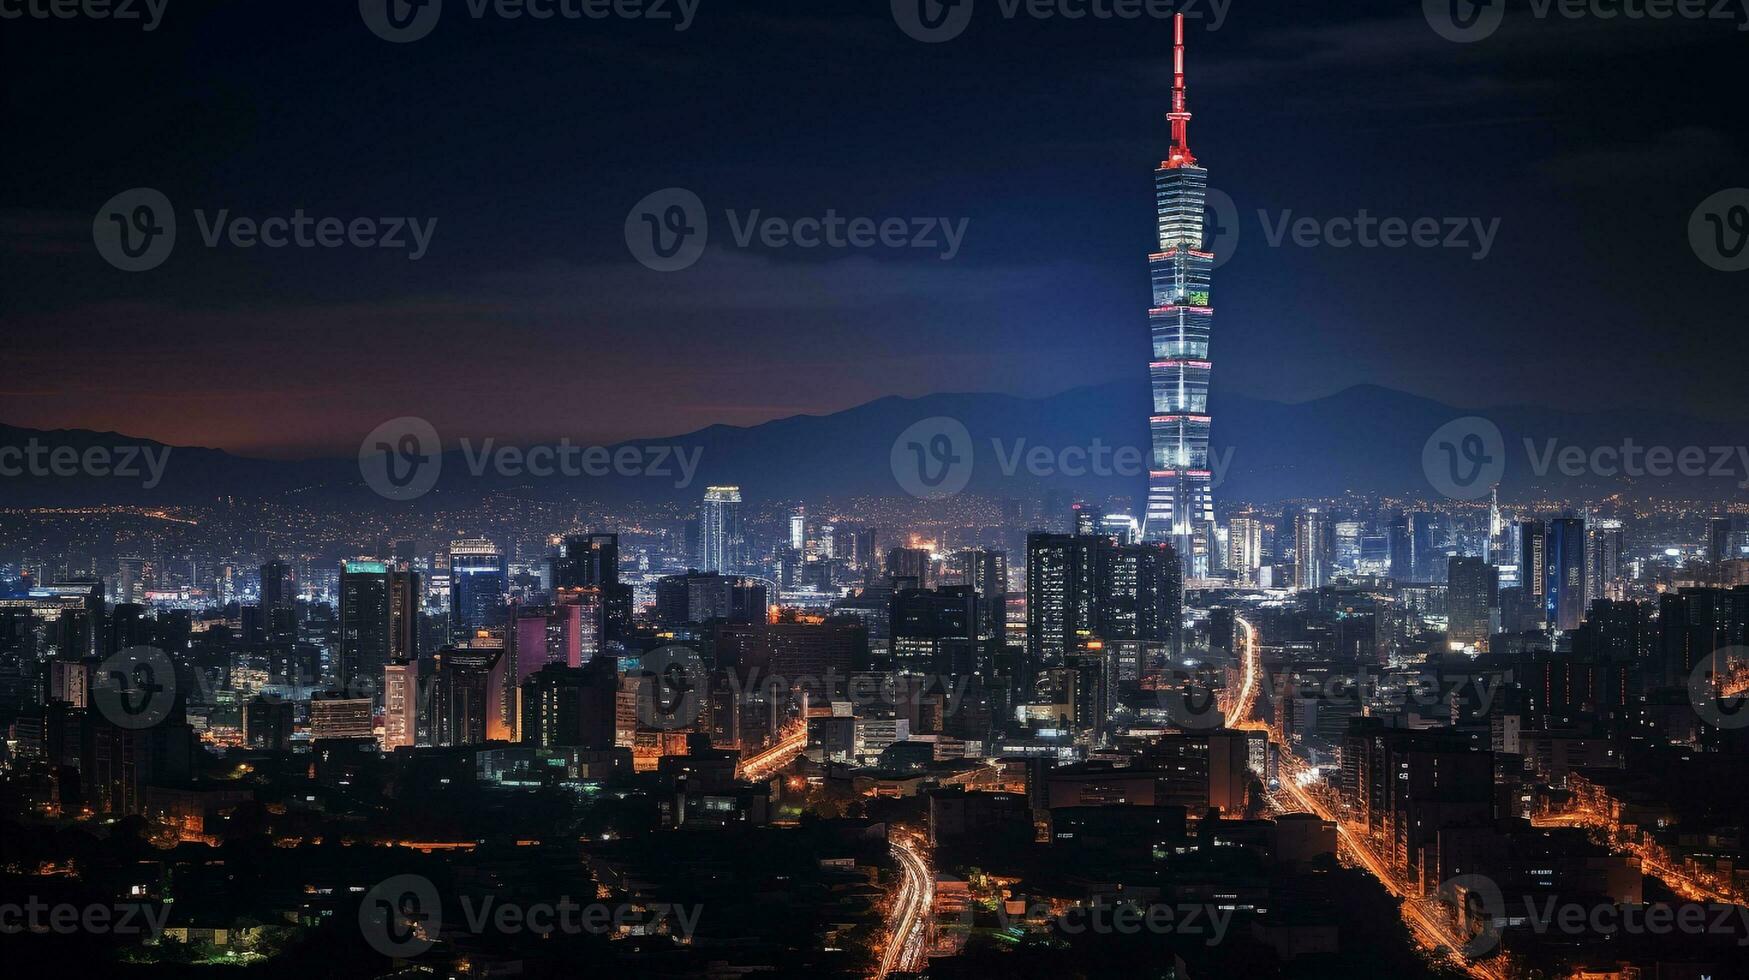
(1180,116)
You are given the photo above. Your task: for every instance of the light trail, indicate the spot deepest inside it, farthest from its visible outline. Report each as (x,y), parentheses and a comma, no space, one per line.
(908,941)
(1252,658)
(763,765)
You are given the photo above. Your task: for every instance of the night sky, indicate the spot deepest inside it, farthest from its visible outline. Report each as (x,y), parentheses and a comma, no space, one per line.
(529,141)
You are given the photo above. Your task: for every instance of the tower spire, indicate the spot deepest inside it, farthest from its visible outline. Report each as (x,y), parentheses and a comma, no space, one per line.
(1179,116)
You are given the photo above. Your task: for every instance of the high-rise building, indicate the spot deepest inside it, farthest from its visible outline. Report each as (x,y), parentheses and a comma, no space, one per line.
(986,571)
(1603,560)
(909,563)
(279,602)
(462,695)
(699,597)
(1086,519)
(721,542)
(366,629)
(798,528)
(1245,547)
(338,716)
(1564,564)
(400,704)
(1180,496)
(936,631)
(1472,602)
(1309,560)
(406,595)
(1719,540)
(1533,563)
(478,584)
(592,561)
(1081,588)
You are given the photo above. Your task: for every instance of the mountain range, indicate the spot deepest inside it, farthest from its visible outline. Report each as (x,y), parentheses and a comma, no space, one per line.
(1365,438)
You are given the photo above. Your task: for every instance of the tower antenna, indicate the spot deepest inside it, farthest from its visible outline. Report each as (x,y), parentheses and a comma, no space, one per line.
(1180,116)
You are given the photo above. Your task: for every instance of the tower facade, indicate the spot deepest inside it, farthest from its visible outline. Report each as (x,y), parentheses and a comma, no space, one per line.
(1180,496)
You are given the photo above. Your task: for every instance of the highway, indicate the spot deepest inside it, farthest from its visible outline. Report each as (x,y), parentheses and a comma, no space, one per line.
(908,931)
(763,765)
(1425,919)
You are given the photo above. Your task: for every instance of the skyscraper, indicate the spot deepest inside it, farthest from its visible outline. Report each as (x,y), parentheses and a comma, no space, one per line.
(798,528)
(1564,559)
(720,540)
(366,634)
(478,582)
(1472,602)
(1309,549)
(1245,547)
(1180,498)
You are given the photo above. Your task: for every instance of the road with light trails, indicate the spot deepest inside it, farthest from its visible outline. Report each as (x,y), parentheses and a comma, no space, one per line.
(763,765)
(908,936)
(1428,926)
(1252,658)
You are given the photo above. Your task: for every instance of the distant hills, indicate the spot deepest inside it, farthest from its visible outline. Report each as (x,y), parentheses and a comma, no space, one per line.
(1365,438)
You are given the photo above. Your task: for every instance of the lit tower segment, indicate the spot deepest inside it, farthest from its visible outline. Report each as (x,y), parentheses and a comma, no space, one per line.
(1180,501)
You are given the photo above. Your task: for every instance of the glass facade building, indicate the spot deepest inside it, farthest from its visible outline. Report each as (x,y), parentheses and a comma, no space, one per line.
(1180,479)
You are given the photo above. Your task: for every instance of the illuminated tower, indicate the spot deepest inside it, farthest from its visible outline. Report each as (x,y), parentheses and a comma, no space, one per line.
(1180,500)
